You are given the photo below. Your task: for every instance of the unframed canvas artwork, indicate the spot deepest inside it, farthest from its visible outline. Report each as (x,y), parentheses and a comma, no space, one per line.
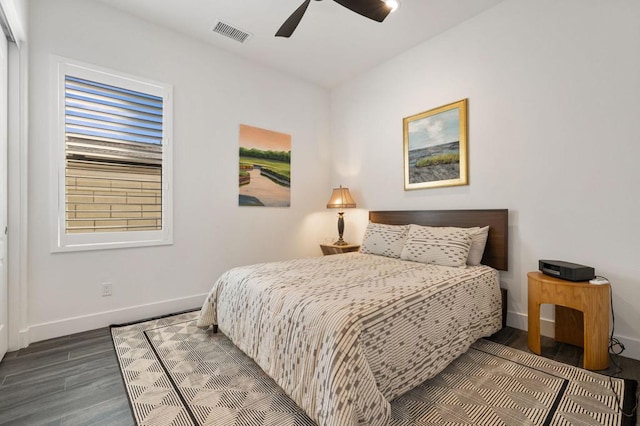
(265,168)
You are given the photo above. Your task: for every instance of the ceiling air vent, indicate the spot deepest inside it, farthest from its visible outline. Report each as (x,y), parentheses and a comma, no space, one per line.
(230,31)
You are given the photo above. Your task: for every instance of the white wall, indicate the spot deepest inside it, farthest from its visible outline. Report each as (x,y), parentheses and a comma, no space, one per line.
(552,90)
(553,109)
(213,93)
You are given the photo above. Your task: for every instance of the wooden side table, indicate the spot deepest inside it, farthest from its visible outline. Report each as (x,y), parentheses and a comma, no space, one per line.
(334,249)
(582,316)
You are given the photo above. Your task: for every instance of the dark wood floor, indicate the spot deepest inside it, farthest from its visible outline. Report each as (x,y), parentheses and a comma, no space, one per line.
(75,380)
(72,380)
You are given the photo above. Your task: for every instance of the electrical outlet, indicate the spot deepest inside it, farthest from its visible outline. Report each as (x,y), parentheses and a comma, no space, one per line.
(105,289)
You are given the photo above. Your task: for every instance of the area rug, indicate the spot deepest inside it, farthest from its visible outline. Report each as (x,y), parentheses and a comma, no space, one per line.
(178,374)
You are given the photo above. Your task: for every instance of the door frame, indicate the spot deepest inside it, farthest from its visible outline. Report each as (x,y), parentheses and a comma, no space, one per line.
(14,12)
(4,197)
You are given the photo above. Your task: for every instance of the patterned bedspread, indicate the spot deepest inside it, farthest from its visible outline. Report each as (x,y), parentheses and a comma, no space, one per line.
(343,335)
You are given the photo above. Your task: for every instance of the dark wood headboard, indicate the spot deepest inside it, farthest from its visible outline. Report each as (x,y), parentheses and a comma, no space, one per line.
(495,252)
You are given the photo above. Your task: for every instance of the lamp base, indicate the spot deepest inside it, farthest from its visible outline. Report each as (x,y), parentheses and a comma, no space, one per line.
(341,242)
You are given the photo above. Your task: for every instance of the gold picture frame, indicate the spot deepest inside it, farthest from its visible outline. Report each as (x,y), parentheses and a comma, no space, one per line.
(436,147)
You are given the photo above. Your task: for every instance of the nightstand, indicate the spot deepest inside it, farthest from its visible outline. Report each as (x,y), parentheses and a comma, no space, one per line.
(582,316)
(334,249)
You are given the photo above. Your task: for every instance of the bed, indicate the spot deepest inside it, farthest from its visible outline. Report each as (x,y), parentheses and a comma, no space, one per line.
(345,334)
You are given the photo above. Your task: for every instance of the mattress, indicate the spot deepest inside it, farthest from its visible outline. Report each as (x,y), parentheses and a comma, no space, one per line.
(343,335)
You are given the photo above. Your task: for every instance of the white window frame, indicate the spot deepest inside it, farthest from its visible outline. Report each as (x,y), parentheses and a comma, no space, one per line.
(64,242)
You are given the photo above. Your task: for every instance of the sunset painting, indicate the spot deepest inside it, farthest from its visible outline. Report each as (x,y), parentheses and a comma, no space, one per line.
(265,168)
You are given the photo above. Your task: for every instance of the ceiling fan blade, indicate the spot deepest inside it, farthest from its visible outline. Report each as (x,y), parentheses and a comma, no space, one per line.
(372,9)
(292,21)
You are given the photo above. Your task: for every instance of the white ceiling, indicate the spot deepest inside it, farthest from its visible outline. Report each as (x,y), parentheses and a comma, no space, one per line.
(331,45)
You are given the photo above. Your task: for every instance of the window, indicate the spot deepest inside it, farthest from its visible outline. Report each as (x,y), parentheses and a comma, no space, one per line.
(112,160)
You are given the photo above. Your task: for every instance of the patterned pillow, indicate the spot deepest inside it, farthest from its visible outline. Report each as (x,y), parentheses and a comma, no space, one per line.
(384,240)
(443,246)
(478,242)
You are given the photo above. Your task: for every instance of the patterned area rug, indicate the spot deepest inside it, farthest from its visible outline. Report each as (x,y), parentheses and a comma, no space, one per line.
(178,374)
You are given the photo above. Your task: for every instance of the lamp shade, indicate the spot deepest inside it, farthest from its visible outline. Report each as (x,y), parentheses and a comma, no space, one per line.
(340,199)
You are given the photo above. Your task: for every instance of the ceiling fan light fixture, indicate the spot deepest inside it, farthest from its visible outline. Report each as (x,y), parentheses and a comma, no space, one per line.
(393,5)
(376,10)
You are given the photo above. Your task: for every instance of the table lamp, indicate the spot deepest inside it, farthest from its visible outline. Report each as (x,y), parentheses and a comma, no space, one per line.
(340,199)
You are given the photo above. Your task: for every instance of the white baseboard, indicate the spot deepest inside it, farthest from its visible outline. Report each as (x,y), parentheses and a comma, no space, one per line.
(49,330)
(547,328)
(79,324)
(520,321)
(23,339)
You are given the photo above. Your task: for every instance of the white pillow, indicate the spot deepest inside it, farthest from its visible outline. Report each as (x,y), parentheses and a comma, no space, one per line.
(478,242)
(384,240)
(445,246)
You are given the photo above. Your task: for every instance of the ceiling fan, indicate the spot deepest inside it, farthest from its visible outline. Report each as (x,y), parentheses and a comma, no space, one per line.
(372,9)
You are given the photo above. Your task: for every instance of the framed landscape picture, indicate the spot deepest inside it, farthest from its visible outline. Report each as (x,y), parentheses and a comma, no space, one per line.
(435,147)
(265,168)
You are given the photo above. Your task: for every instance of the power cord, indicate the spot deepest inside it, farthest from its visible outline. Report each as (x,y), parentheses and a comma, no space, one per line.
(616,348)
(613,341)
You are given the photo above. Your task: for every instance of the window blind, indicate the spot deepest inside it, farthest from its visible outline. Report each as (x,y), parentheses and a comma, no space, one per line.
(113,147)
